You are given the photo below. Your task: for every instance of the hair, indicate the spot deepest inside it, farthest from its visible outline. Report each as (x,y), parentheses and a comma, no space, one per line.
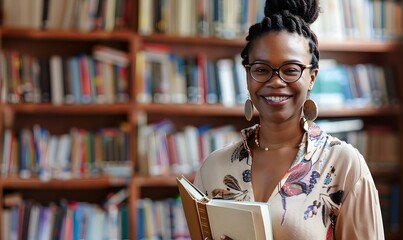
(294,16)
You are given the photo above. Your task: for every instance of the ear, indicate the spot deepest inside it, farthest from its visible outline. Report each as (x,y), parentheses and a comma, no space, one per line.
(246,79)
(313,76)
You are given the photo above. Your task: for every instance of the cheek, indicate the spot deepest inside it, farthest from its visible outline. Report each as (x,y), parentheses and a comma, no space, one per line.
(250,84)
(304,83)
(302,88)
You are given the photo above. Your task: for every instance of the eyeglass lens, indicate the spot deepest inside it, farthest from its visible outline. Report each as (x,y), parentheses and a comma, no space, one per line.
(289,72)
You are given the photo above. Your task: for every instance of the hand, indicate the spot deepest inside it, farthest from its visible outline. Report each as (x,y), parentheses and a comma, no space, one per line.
(223,237)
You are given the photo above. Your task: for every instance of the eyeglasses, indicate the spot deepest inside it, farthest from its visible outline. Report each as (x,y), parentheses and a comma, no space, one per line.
(289,72)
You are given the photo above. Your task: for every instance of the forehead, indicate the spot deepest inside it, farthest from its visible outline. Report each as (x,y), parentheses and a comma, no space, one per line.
(279,47)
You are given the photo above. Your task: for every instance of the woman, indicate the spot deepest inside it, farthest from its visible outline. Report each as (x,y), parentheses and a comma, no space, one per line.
(317,186)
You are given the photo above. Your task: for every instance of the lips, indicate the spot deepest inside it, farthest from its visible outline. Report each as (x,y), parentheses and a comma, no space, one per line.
(277,99)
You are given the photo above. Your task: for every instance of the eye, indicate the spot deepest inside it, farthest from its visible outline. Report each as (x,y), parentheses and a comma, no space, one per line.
(261,69)
(291,69)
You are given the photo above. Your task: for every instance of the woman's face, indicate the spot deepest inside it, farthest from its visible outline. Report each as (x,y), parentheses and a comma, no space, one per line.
(276,100)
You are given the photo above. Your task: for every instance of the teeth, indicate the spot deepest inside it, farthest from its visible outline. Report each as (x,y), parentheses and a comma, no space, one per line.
(276,99)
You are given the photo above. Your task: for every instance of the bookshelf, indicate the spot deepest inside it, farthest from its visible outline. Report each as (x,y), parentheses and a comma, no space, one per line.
(133,38)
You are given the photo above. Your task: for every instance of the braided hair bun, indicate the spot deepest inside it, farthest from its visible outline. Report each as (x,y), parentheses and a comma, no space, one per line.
(308,10)
(294,16)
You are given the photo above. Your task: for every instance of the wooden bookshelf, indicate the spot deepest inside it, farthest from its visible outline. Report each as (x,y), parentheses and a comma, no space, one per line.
(219,110)
(82,183)
(93,116)
(71,109)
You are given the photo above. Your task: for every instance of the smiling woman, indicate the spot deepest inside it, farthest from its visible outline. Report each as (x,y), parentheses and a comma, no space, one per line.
(310,179)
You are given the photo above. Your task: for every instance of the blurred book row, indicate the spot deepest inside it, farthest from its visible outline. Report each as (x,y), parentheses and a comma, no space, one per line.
(339,19)
(26,219)
(379,144)
(167,149)
(165,77)
(161,219)
(363,19)
(362,85)
(83,15)
(79,153)
(102,77)
(220,18)
(230,19)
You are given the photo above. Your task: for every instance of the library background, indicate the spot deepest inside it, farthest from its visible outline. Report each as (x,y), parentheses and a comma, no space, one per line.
(97,96)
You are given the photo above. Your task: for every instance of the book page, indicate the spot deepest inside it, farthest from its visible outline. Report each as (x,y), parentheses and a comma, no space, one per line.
(196,194)
(261,215)
(235,224)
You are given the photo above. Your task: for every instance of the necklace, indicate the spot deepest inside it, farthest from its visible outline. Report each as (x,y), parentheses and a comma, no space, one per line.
(271,147)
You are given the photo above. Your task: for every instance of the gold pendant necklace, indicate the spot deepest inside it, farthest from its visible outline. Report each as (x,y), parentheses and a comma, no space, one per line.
(272,146)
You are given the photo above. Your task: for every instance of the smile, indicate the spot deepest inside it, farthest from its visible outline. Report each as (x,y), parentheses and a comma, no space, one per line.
(276,99)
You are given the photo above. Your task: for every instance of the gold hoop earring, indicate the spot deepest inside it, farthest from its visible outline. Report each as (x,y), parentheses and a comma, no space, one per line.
(248,109)
(310,110)
(304,124)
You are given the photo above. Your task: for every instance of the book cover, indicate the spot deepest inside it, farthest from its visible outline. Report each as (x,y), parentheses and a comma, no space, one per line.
(212,218)
(44,79)
(33,222)
(56,79)
(145,17)
(226,81)
(56,10)
(74,73)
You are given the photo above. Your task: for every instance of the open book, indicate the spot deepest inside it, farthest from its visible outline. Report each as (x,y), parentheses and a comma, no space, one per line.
(215,217)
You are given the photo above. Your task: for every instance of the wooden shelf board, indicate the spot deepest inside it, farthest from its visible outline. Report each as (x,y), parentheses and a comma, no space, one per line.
(67,34)
(360,45)
(158,181)
(204,41)
(81,183)
(191,109)
(70,109)
(390,171)
(219,110)
(360,112)
(348,45)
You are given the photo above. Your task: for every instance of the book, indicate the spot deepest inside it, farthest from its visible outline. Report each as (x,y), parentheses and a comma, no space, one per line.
(226,81)
(56,79)
(332,88)
(212,218)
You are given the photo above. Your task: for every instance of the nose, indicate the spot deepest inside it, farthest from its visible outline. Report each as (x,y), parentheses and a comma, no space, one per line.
(275,71)
(277,81)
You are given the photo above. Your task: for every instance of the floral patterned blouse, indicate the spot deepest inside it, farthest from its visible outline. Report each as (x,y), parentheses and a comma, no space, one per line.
(328,192)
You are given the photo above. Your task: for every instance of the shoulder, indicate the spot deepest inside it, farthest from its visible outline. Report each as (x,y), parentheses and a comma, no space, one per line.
(322,143)
(349,163)
(337,155)
(344,153)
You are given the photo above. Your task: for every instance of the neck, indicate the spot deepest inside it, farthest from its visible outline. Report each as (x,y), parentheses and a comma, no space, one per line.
(277,134)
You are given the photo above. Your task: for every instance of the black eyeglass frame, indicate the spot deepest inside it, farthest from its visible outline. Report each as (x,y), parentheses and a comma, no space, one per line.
(277,70)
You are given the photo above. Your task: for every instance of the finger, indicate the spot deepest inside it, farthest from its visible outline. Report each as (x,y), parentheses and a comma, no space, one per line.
(223,237)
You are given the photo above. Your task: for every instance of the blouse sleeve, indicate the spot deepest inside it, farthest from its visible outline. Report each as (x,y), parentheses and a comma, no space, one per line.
(360,215)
